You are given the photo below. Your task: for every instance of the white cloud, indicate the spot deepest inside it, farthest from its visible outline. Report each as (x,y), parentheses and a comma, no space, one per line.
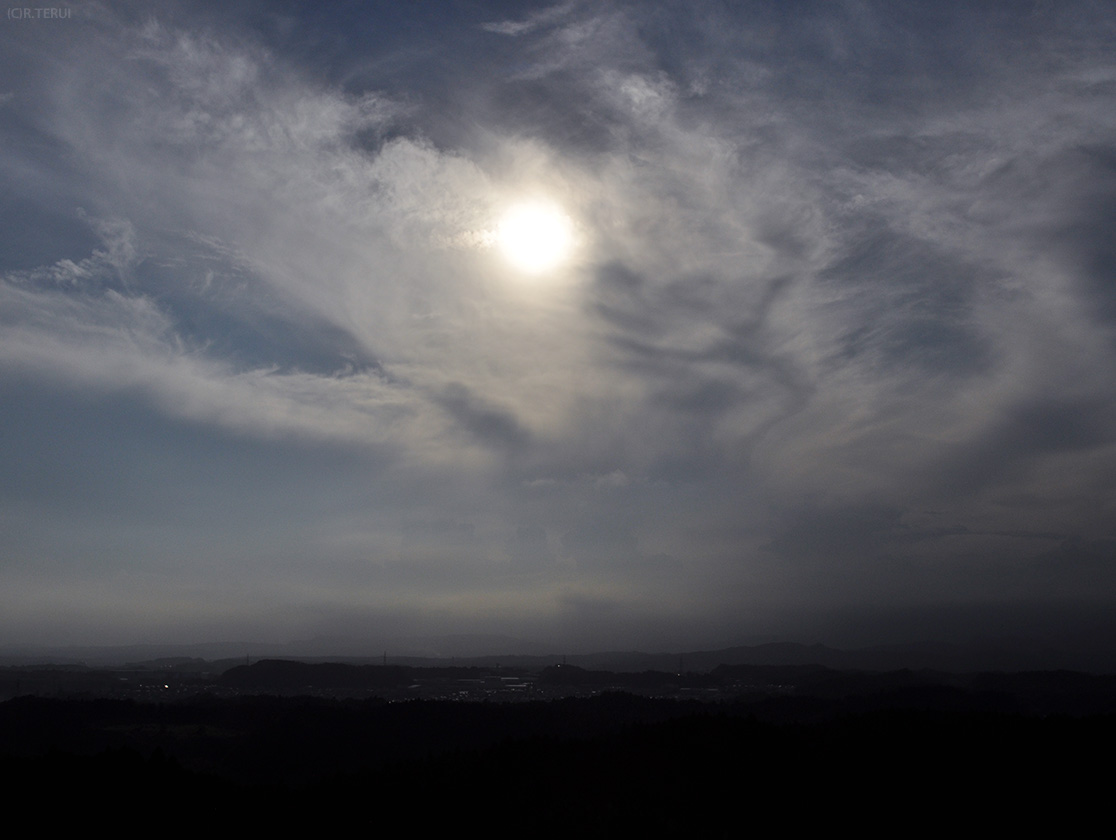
(539,20)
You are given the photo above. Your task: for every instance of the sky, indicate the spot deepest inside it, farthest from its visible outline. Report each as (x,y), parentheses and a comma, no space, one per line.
(824,349)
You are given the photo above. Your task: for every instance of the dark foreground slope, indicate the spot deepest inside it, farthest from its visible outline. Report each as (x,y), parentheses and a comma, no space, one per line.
(601,766)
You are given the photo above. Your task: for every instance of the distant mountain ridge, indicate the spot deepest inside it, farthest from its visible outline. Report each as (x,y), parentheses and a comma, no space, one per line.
(998,655)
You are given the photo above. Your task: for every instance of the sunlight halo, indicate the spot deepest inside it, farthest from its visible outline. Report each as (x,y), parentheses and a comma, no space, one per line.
(535,237)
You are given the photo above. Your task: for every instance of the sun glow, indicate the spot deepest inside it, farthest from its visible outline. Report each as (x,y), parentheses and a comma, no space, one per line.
(535,237)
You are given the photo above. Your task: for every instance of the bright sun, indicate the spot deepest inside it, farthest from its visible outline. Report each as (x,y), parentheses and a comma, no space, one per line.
(535,237)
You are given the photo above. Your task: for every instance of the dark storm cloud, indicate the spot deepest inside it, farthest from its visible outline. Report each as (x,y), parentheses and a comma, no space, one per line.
(836,334)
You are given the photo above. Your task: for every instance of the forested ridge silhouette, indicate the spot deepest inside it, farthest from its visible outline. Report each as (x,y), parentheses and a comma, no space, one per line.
(936,744)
